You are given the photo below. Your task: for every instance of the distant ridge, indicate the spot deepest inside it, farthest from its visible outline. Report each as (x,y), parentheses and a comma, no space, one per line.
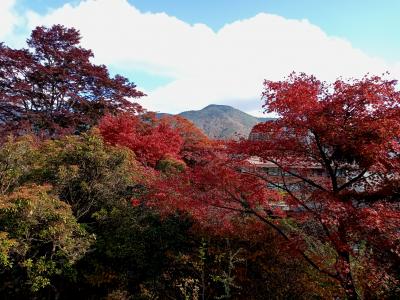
(222,121)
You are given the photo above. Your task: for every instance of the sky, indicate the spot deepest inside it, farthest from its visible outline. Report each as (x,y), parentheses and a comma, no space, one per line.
(188,54)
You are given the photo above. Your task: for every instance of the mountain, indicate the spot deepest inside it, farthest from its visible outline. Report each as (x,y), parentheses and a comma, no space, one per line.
(222,121)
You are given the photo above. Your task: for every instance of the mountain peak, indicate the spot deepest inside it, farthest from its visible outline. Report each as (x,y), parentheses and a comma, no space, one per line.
(222,121)
(218,106)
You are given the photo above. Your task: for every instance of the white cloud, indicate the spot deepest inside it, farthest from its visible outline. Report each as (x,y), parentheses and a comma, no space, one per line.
(209,67)
(8,18)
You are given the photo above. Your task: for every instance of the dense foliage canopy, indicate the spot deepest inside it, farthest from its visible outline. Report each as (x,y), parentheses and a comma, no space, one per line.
(102,200)
(53,87)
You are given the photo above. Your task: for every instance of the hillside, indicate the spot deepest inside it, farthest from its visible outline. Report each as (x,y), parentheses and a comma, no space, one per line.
(222,121)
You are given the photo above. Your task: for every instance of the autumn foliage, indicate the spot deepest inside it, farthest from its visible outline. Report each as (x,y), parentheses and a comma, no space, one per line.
(100,199)
(52,87)
(150,140)
(350,129)
(344,221)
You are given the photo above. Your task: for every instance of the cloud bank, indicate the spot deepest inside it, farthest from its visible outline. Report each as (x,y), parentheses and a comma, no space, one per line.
(225,67)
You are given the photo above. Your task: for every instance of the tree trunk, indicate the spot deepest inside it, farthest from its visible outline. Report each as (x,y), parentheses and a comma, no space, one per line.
(345,277)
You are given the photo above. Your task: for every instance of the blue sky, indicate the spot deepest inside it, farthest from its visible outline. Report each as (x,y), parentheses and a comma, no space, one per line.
(182,66)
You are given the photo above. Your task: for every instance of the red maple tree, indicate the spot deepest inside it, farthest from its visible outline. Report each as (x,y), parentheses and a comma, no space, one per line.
(344,220)
(150,139)
(350,130)
(196,145)
(53,87)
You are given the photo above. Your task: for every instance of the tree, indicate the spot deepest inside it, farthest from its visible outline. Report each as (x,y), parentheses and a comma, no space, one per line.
(343,222)
(228,204)
(149,139)
(351,130)
(196,144)
(86,173)
(40,240)
(18,158)
(52,87)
